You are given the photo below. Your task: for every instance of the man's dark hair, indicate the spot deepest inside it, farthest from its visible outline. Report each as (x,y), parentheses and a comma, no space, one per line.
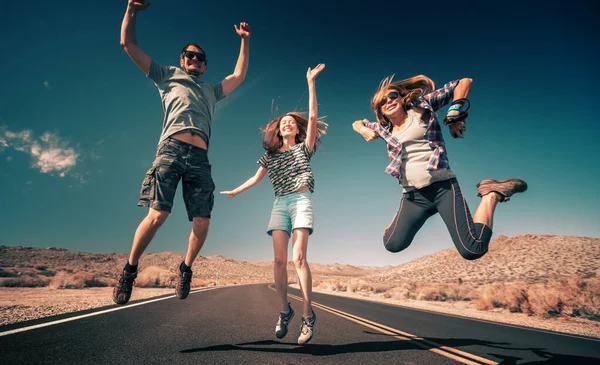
(195,45)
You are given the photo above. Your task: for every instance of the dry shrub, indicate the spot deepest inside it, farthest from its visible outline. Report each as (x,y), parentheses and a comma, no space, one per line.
(410,289)
(43,273)
(78,280)
(104,281)
(40,267)
(24,282)
(574,297)
(156,277)
(545,300)
(581,297)
(207,282)
(516,298)
(363,286)
(351,287)
(398,292)
(512,296)
(8,274)
(459,292)
(487,297)
(380,288)
(334,285)
(432,292)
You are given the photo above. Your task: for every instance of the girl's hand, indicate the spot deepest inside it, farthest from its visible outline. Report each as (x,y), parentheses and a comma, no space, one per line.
(230,194)
(368,134)
(457,129)
(243,31)
(312,74)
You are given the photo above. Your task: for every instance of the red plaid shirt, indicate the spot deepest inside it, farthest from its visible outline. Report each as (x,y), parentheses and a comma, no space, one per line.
(432,102)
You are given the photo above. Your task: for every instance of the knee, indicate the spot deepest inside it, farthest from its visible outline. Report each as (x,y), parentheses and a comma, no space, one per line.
(201,222)
(157,218)
(470,255)
(395,244)
(280,263)
(394,247)
(300,262)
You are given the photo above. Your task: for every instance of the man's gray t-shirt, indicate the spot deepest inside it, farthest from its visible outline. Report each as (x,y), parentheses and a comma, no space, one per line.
(188,102)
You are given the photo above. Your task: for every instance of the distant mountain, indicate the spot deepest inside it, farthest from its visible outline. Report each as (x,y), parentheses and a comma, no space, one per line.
(19,261)
(529,258)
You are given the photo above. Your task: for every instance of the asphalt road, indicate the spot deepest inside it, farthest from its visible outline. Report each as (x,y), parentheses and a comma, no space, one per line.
(235,325)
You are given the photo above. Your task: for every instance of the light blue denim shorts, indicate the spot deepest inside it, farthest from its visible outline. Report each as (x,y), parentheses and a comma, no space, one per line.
(292,211)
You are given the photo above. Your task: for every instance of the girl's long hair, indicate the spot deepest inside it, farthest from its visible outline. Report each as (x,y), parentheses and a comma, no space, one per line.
(410,90)
(272,140)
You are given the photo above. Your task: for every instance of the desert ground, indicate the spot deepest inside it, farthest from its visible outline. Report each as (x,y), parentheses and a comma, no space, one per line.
(528,280)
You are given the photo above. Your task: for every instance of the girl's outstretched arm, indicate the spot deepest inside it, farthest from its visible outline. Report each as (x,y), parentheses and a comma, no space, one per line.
(260,173)
(313,107)
(367,133)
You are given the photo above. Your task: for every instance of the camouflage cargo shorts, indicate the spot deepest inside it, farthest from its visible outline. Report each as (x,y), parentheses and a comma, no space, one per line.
(175,161)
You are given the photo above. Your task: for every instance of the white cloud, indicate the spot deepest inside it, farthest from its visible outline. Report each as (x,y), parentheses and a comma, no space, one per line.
(48,153)
(47,85)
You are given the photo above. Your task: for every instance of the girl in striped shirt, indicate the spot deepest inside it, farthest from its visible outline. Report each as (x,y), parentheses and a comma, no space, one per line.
(290,141)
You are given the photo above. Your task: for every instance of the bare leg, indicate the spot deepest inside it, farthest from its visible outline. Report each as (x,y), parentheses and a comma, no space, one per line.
(299,246)
(145,232)
(485,211)
(280,248)
(197,238)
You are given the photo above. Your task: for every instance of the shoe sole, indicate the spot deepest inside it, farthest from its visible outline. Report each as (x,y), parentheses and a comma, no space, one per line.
(182,296)
(120,303)
(492,181)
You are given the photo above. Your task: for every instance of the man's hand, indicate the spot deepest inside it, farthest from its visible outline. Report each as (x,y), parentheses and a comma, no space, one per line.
(243,31)
(138,5)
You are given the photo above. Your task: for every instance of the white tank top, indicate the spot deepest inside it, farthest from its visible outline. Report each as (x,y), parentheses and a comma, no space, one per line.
(416,152)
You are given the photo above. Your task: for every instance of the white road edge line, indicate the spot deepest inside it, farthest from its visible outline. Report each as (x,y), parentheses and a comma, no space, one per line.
(41,325)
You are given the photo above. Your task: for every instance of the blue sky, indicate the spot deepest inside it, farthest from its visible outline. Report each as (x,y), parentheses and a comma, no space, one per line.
(79,122)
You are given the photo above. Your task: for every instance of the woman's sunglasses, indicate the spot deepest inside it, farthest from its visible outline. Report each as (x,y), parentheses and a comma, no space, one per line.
(392,95)
(191,55)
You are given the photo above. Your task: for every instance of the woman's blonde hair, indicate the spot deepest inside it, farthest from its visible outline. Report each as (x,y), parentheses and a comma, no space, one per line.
(272,140)
(409,90)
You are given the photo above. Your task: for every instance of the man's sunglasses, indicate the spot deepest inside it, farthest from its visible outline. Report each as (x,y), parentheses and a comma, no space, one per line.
(191,55)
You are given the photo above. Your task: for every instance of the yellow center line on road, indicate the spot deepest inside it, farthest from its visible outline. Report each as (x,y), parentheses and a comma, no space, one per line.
(446,351)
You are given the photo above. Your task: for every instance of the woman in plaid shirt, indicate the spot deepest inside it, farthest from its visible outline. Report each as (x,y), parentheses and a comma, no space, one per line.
(290,141)
(406,120)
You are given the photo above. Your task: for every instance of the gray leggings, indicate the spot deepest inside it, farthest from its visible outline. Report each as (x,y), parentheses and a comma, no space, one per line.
(471,239)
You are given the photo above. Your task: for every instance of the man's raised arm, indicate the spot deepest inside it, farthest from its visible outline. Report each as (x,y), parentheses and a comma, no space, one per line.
(234,80)
(128,38)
